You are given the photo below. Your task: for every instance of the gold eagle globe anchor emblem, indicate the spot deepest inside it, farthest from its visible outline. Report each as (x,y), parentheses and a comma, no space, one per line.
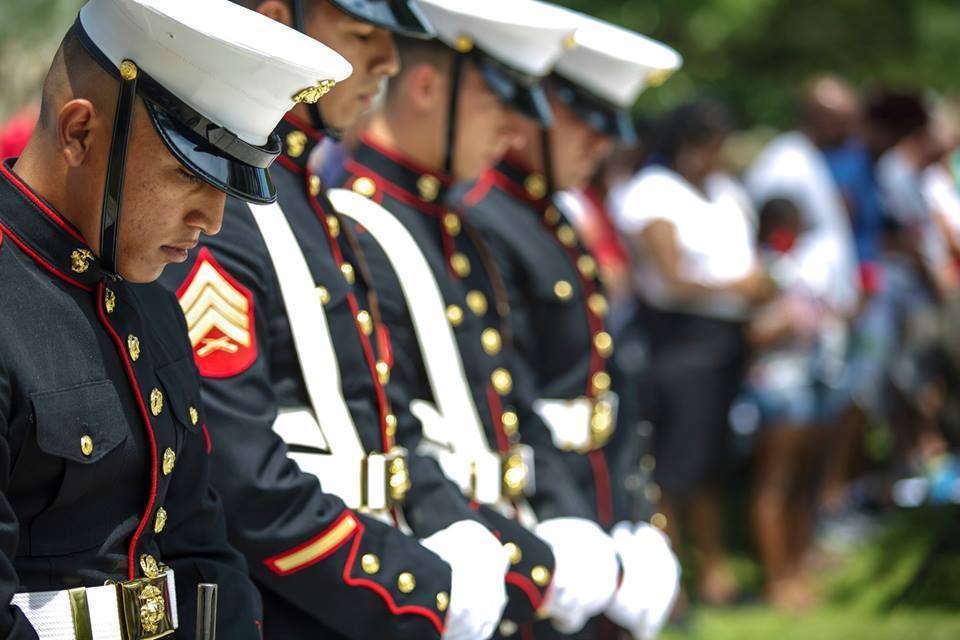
(311,95)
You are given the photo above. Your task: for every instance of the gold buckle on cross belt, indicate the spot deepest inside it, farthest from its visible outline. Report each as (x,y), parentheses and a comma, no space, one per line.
(144,605)
(515,474)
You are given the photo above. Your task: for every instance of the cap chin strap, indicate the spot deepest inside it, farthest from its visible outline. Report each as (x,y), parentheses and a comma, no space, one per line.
(546,146)
(116,163)
(456,76)
(316,118)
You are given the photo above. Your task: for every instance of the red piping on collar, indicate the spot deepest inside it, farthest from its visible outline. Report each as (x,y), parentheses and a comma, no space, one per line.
(46,265)
(403,161)
(358,170)
(40,204)
(303,126)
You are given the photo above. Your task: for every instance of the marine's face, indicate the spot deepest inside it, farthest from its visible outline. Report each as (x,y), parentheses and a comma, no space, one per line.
(486,128)
(576,148)
(372,52)
(165,206)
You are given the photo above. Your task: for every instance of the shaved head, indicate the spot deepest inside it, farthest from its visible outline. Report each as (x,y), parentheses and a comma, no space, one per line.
(74,74)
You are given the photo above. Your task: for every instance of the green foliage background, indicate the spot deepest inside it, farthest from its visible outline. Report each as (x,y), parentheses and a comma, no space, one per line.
(754,54)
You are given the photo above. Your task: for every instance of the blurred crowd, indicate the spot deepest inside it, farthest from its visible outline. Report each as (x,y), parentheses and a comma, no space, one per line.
(798,317)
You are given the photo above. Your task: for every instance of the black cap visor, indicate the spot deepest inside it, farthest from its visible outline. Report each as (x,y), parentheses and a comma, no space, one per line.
(402,17)
(600,115)
(520,92)
(235,178)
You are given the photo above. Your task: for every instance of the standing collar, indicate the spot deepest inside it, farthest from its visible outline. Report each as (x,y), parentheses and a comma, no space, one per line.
(402,177)
(527,186)
(299,140)
(40,231)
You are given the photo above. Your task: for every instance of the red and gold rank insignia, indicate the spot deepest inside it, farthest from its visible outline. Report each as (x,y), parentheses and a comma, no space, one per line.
(219,312)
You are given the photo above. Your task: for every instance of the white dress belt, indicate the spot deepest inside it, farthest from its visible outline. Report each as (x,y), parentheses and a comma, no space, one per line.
(60,615)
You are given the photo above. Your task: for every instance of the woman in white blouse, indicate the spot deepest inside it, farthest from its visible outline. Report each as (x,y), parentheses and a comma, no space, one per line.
(690,228)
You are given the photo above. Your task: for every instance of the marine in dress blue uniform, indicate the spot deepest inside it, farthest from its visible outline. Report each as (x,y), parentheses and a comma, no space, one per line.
(322,561)
(107,518)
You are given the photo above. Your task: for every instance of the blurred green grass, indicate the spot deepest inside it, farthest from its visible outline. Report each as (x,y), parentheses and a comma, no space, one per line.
(902,584)
(830,623)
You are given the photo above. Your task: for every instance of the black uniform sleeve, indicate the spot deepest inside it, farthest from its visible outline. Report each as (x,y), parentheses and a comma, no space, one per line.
(13,624)
(343,569)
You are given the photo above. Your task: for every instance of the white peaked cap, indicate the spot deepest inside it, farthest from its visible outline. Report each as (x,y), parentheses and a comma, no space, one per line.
(526,35)
(237,68)
(615,64)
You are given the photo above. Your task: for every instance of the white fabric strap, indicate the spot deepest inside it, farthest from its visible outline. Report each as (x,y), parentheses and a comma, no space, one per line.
(460,428)
(312,340)
(569,420)
(339,475)
(51,614)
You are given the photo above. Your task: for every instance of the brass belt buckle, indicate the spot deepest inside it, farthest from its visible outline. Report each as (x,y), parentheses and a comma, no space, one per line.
(398,476)
(144,606)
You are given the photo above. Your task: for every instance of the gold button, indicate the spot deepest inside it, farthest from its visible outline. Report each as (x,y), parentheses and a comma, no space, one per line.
(587,266)
(598,304)
(80,260)
(406,582)
(648,463)
(540,575)
(536,185)
(365,322)
(347,270)
(370,563)
(566,235)
(391,422)
(510,422)
(491,341)
(156,401)
(601,381)
(659,521)
(109,300)
(194,415)
(514,552)
(443,601)
(604,344)
(365,187)
(324,294)
(169,461)
(149,566)
(86,445)
(383,372)
(455,315)
(601,428)
(133,346)
(296,143)
(314,186)
(563,290)
(160,521)
(429,187)
(477,302)
(463,43)
(502,381)
(551,215)
(460,264)
(451,222)
(333,224)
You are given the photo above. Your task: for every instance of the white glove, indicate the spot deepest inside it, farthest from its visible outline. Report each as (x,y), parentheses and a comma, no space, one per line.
(586,573)
(478,591)
(651,580)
